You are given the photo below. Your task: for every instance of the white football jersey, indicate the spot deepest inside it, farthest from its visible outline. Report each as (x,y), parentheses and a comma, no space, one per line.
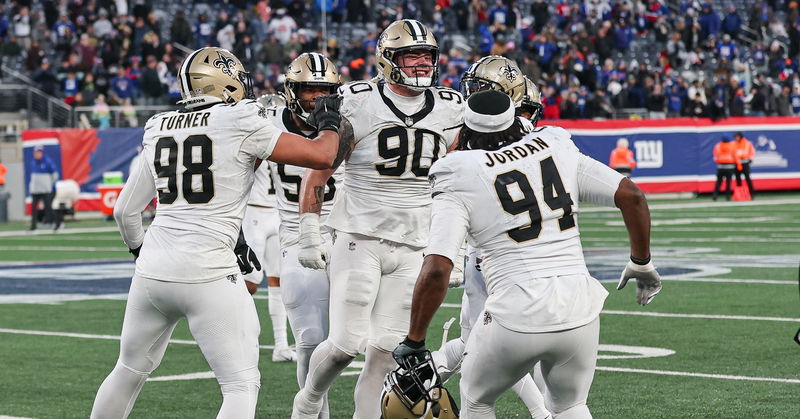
(387,194)
(287,178)
(518,205)
(202,165)
(263,191)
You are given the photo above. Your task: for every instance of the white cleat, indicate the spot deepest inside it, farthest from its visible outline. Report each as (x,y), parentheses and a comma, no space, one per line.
(302,408)
(284,355)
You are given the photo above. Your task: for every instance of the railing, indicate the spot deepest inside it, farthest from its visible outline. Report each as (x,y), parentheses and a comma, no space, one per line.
(20,97)
(118,117)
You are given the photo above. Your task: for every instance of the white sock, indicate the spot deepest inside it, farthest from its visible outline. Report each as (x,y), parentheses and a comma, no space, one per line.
(277,313)
(118,393)
(530,395)
(327,362)
(370,383)
(238,401)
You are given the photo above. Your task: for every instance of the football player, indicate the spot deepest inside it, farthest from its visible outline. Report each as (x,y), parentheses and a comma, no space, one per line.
(305,291)
(402,124)
(492,73)
(515,198)
(200,161)
(260,228)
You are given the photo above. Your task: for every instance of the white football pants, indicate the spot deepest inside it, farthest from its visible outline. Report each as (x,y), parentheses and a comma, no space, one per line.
(260,226)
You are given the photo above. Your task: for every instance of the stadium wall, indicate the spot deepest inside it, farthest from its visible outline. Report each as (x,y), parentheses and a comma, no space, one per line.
(673,155)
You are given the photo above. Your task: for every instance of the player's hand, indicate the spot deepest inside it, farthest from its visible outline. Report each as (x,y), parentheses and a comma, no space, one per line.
(325,115)
(135,252)
(252,287)
(409,353)
(246,258)
(313,253)
(648,282)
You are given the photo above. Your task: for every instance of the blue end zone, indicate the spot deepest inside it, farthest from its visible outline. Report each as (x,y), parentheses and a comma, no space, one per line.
(67,278)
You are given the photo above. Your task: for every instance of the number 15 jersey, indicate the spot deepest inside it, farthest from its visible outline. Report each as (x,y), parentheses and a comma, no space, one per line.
(386,193)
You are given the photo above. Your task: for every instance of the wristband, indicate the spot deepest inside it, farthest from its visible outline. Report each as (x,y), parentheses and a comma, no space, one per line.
(638,261)
(413,344)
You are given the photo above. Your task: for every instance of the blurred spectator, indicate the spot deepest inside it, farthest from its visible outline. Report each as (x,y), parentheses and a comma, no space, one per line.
(732,22)
(129,114)
(203,30)
(152,89)
(102,26)
(282,26)
(121,86)
(784,102)
(11,49)
(46,79)
(70,86)
(101,113)
(23,27)
(43,176)
(621,158)
(181,29)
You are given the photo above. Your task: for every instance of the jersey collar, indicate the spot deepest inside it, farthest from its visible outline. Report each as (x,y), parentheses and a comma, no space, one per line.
(409,120)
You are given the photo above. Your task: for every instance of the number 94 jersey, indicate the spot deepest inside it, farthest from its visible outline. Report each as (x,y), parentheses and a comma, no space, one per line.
(287,179)
(518,206)
(386,193)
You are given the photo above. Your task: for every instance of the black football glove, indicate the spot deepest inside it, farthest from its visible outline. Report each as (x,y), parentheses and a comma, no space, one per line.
(135,252)
(246,258)
(326,114)
(409,353)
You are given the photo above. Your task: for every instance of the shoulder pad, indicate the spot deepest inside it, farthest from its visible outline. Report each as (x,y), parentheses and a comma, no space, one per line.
(357,87)
(448,95)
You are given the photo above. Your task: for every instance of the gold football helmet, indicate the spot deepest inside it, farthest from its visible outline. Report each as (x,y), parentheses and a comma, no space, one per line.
(531,101)
(403,36)
(416,392)
(309,69)
(213,75)
(496,73)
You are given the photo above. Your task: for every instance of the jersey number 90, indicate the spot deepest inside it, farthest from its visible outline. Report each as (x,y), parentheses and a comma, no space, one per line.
(192,168)
(399,150)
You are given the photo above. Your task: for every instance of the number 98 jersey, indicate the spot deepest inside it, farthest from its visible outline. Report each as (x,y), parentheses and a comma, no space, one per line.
(518,205)
(287,179)
(386,193)
(201,163)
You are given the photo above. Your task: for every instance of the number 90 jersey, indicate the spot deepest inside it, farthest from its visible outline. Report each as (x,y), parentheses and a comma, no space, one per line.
(201,163)
(287,178)
(518,206)
(386,193)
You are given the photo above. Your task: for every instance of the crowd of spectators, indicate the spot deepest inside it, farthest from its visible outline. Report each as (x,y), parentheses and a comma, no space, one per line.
(590,58)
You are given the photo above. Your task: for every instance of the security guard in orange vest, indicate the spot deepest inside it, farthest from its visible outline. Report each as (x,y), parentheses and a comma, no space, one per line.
(745,152)
(621,158)
(725,157)
(3,170)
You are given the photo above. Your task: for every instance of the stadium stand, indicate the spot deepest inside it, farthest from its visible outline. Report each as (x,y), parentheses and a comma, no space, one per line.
(592,59)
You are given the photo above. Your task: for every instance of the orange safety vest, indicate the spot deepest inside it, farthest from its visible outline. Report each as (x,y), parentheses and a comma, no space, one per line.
(745,152)
(3,171)
(725,153)
(622,157)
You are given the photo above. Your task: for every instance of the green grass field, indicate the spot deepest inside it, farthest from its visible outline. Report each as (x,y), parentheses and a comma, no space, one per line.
(716,343)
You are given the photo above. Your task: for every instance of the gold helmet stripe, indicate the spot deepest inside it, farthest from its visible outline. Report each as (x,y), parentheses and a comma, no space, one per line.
(184,75)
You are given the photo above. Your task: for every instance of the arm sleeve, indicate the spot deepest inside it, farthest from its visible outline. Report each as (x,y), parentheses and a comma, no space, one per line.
(137,193)
(449,224)
(449,214)
(262,135)
(597,182)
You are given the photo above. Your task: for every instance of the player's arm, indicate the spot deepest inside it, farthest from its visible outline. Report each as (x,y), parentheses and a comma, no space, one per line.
(138,191)
(312,252)
(601,185)
(327,150)
(449,223)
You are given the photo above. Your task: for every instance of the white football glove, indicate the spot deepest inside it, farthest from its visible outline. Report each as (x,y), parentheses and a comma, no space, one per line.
(648,282)
(312,247)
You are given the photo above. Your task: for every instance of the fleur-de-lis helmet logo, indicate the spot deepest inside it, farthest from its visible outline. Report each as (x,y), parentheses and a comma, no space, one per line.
(510,72)
(224,63)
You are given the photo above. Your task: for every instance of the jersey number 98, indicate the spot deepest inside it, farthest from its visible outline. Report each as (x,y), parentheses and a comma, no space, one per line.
(193,168)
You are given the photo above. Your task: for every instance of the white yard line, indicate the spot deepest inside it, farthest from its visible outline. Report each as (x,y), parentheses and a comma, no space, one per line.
(91,336)
(701,316)
(66,230)
(700,375)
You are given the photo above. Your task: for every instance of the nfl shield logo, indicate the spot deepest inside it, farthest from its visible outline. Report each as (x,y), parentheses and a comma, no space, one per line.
(351,246)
